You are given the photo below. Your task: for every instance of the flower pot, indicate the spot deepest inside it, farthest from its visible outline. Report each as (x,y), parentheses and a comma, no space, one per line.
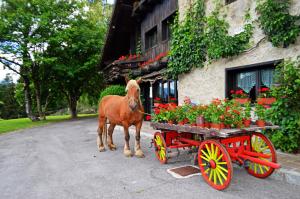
(181,123)
(215,126)
(247,123)
(260,123)
(222,125)
(241,100)
(266,101)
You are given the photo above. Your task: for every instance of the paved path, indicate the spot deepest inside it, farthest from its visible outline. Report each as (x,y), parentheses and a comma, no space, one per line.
(61,161)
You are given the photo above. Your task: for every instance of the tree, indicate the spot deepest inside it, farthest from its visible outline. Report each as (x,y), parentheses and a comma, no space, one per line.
(9,108)
(25,27)
(77,51)
(43,46)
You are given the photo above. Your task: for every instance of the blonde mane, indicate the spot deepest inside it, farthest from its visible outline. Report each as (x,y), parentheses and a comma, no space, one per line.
(132,83)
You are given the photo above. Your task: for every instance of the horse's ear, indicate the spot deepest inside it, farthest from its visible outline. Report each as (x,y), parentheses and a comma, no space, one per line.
(139,80)
(126,79)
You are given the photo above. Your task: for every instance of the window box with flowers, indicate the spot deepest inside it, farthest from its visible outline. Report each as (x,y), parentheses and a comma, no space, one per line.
(240,96)
(265,97)
(157,101)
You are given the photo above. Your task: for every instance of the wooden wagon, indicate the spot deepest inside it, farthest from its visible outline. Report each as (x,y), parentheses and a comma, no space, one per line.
(218,149)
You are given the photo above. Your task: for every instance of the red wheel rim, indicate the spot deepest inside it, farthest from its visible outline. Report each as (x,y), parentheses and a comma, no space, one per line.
(261,144)
(160,148)
(219,174)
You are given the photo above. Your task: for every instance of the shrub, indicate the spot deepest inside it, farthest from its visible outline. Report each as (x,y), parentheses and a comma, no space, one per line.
(285,112)
(113,90)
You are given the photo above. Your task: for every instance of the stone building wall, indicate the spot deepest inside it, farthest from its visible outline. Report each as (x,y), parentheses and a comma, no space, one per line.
(204,84)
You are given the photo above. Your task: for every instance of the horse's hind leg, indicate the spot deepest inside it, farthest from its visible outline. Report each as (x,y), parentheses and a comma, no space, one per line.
(110,142)
(100,130)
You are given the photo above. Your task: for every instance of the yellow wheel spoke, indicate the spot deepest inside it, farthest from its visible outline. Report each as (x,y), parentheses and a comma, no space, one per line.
(255,168)
(204,158)
(209,153)
(212,151)
(210,175)
(216,152)
(219,158)
(206,170)
(221,172)
(263,149)
(267,168)
(219,163)
(219,177)
(203,164)
(260,168)
(206,155)
(215,177)
(222,168)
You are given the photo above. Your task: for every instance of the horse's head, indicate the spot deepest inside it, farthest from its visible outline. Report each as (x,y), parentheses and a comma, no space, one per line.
(133,93)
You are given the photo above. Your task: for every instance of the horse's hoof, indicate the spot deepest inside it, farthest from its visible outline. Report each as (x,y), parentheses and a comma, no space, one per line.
(101,148)
(139,153)
(127,153)
(112,147)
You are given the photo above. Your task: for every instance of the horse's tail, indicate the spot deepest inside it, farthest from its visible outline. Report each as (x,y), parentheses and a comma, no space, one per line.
(104,132)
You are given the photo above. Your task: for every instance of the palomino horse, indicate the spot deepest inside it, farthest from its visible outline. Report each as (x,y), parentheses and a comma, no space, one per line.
(124,111)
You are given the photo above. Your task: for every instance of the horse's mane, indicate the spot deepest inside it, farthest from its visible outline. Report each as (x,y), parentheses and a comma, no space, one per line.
(132,83)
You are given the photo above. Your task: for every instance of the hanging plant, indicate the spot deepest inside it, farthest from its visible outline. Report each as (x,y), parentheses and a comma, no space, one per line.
(281,28)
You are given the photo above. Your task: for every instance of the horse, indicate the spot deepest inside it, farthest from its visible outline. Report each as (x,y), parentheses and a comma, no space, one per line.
(125,111)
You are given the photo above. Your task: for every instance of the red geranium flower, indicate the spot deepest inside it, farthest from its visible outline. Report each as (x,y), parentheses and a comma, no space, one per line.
(148,117)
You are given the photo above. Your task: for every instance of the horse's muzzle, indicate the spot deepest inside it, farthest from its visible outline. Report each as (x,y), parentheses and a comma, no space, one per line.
(133,106)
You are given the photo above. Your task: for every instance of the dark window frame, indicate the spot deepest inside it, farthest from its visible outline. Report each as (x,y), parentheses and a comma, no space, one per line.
(231,73)
(151,39)
(159,91)
(166,27)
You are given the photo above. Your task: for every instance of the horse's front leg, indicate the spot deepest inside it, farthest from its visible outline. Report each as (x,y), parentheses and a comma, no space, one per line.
(127,151)
(138,151)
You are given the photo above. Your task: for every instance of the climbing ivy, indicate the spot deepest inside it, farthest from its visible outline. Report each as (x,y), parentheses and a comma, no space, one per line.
(198,37)
(280,27)
(219,43)
(187,48)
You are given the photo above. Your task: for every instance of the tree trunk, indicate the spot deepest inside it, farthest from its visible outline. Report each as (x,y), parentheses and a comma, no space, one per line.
(73,106)
(37,90)
(28,102)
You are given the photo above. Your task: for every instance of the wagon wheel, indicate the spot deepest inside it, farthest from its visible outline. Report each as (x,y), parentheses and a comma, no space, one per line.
(160,148)
(261,144)
(215,164)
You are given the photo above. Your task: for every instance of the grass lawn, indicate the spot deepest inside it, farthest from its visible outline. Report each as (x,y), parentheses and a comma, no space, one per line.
(22,123)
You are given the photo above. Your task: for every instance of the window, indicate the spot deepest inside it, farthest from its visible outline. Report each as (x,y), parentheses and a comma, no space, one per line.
(151,38)
(165,90)
(166,27)
(250,79)
(229,1)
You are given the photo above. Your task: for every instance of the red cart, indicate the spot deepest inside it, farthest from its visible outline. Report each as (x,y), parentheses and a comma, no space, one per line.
(218,149)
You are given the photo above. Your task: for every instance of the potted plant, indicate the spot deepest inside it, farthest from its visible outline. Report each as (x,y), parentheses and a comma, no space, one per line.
(157,101)
(240,96)
(215,115)
(247,114)
(260,113)
(265,97)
